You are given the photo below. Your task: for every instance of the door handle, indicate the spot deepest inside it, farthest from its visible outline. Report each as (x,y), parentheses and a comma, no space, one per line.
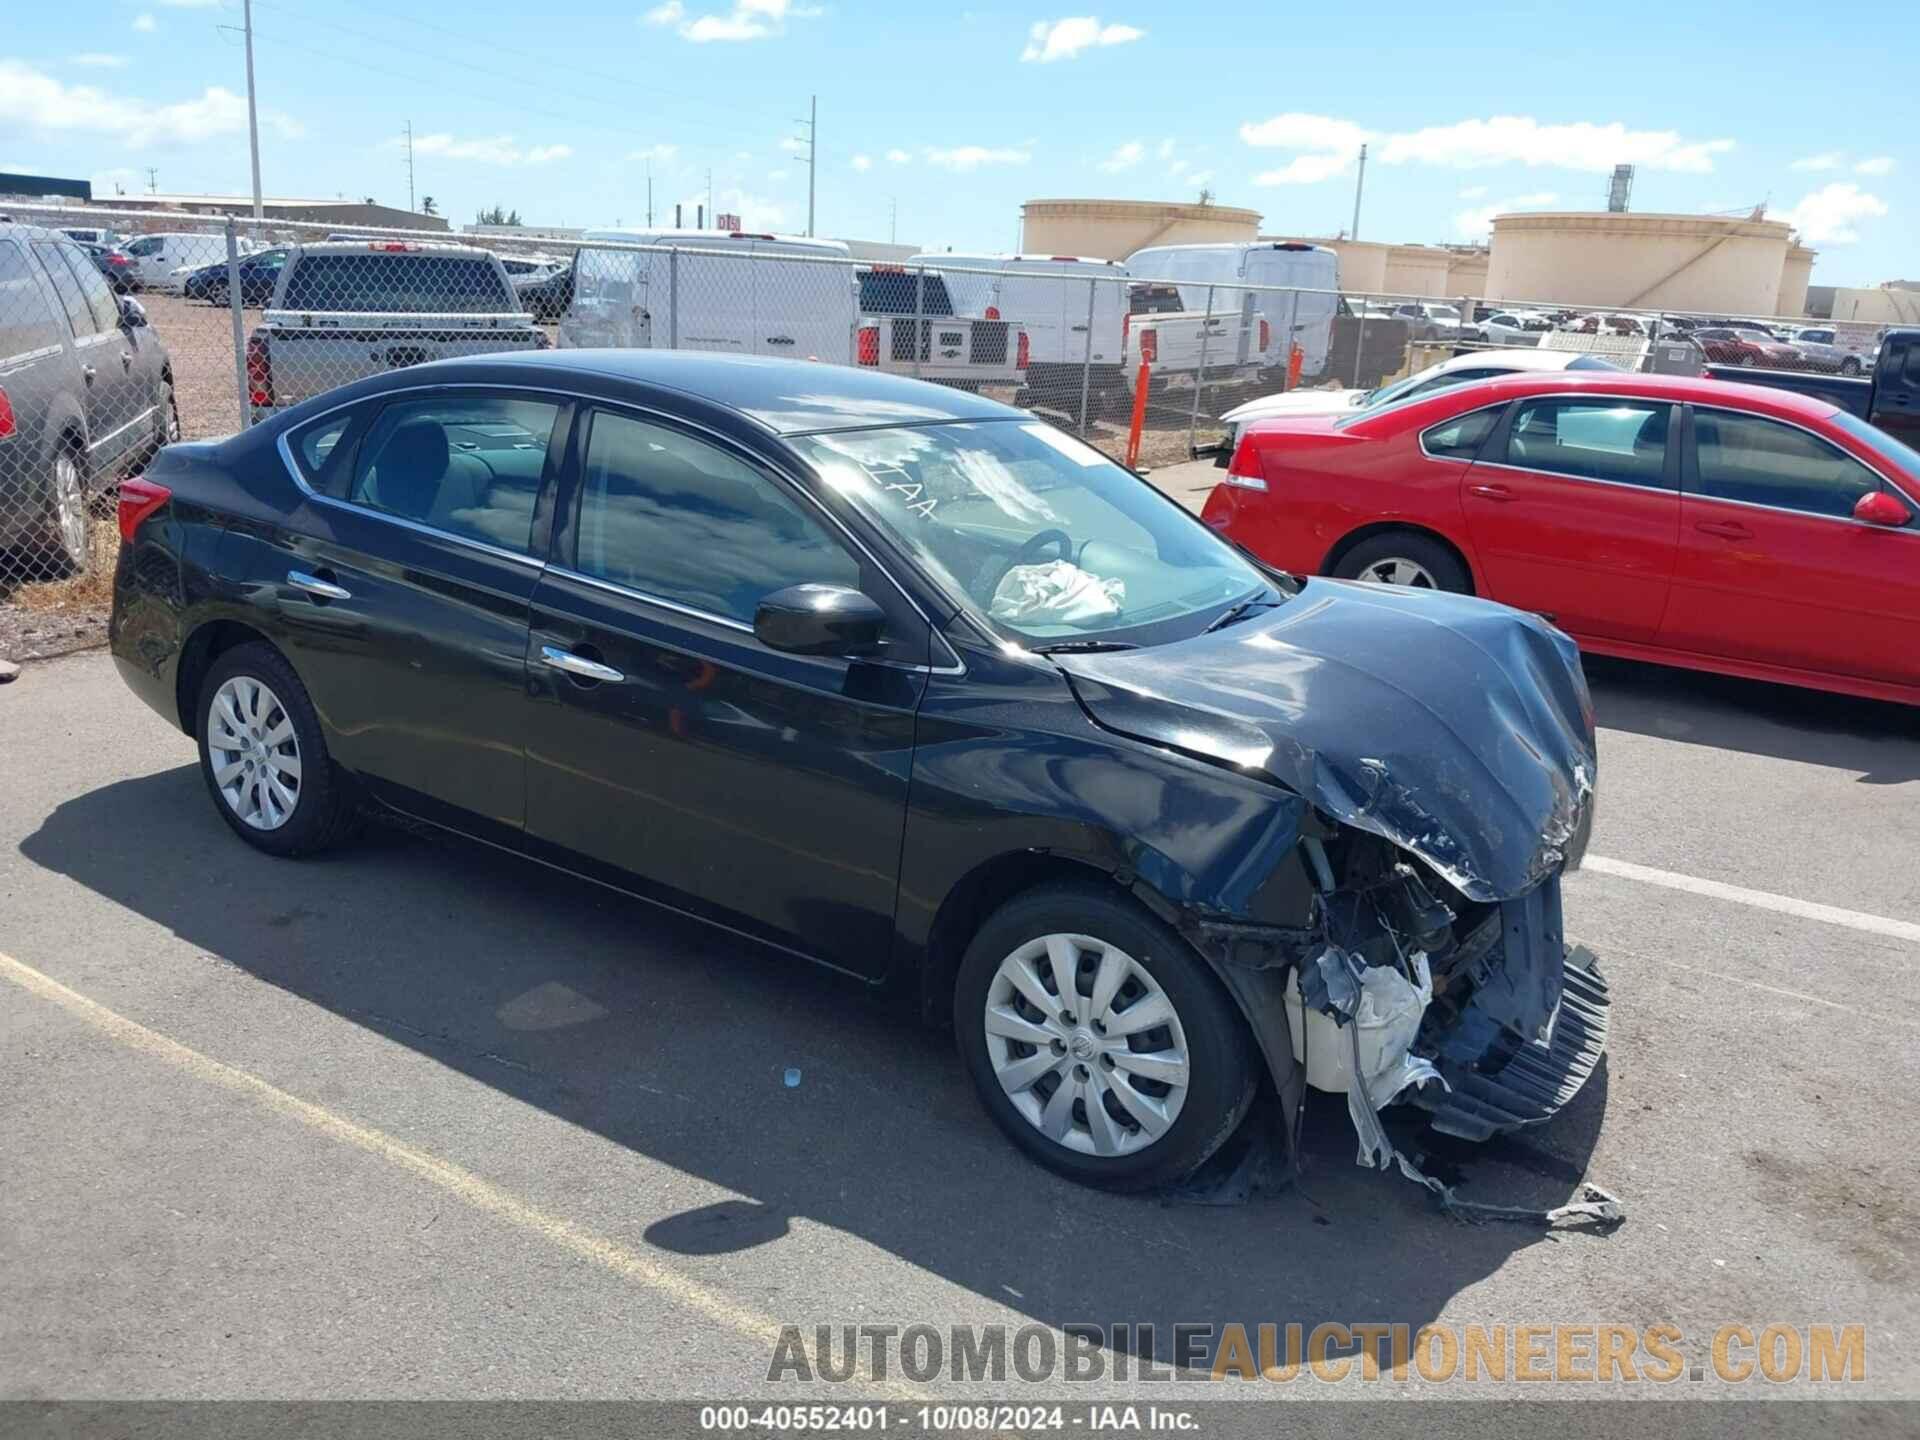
(1491,492)
(86,372)
(555,658)
(316,587)
(1725,529)
(126,359)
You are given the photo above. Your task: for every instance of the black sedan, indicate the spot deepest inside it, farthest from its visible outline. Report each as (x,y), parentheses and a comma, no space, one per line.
(908,684)
(259,272)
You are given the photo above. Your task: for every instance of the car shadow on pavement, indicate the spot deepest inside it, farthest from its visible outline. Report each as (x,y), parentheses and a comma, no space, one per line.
(1876,737)
(676,1041)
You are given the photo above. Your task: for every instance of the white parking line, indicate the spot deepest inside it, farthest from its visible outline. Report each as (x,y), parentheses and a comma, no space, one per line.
(1758,899)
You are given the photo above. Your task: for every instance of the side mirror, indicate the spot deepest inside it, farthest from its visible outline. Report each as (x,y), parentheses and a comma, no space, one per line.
(1877,507)
(132,313)
(819,620)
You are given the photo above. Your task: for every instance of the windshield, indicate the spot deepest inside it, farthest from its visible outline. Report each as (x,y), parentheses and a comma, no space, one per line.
(1387,394)
(1036,531)
(1880,443)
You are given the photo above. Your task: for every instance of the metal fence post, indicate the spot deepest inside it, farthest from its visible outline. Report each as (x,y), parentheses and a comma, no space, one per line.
(1200,379)
(673,298)
(1359,343)
(1086,363)
(919,316)
(235,303)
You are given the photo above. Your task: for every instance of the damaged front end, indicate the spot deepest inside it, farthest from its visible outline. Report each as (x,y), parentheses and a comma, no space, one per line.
(1475,1010)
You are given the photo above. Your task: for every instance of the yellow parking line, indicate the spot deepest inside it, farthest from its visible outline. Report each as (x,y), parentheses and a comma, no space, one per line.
(463,1185)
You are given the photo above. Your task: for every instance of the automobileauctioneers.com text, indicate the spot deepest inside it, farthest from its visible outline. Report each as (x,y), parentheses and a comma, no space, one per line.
(1330,1353)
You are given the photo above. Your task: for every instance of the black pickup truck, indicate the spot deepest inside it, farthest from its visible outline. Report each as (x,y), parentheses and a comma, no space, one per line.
(1890,398)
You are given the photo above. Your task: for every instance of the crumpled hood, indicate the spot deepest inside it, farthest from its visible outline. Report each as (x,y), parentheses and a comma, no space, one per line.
(1456,728)
(1294,402)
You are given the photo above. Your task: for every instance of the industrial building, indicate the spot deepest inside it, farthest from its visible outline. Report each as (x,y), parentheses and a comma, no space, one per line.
(344,213)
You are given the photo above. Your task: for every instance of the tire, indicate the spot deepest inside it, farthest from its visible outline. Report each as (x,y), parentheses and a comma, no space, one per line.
(63,529)
(1437,567)
(1744,360)
(166,421)
(1115,1149)
(1850,366)
(313,808)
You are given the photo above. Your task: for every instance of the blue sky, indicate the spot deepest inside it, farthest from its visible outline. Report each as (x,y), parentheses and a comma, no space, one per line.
(954,118)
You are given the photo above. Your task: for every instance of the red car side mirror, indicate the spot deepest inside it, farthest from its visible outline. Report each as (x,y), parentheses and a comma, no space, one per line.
(1877,507)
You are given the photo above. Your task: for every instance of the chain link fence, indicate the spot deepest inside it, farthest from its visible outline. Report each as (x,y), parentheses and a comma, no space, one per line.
(121,331)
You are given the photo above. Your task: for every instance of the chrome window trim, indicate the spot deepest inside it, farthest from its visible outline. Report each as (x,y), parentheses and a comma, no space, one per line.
(793,483)
(1873,470)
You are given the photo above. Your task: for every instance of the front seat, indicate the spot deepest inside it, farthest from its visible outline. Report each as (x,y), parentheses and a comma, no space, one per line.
(406,478)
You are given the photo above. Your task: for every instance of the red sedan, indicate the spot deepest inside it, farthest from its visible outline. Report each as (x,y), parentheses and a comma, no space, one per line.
(1725,527)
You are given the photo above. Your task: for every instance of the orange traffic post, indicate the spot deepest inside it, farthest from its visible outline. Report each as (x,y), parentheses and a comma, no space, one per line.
(1139,415)
(1296,357)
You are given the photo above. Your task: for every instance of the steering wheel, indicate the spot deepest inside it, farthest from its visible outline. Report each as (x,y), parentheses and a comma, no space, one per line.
(992,574)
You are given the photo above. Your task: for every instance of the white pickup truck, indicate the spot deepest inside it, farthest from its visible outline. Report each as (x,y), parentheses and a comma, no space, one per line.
(1183,347)
(343,310)
(965,351)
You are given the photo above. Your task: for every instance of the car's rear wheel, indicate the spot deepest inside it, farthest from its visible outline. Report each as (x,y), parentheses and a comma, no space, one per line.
(264,756)
(1099,1041)
(1850,365)
(62,537)
(1400,557)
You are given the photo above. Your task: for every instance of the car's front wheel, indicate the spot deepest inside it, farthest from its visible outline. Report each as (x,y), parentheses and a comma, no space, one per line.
(1099,1041)
(264,757)
(1401,557)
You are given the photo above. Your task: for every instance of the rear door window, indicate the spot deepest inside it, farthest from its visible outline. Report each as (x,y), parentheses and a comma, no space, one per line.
(1764,462)
(72,297)
(1624,441)
(26,323)
(468,465)
(93,285)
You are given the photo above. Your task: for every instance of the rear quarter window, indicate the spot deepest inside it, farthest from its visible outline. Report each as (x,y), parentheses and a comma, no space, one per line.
(384,283)
(26,323)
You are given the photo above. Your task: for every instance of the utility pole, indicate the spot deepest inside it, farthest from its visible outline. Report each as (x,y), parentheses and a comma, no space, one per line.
(153,181)
(709,190)
(1358,185)
(409,165)
(649,194)
(893,219)
(253,119)
(812,122)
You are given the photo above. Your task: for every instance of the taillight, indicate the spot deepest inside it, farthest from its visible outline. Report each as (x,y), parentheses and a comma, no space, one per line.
(1149,345)
(139,498)
(1266,336)
(1024,353)
(259,371)
(993,312)
(1244,472)
(1126,329)
(869,351)
(6,405)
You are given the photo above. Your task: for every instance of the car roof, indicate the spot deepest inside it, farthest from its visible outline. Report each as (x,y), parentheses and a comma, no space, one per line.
(786,397)
(1517,359)
(388,247)
(1676,389)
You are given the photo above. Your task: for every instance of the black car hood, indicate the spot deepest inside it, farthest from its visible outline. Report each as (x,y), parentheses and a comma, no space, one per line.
(1456,728)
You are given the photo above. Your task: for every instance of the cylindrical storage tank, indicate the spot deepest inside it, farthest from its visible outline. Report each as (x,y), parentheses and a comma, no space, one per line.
(1114,229)
(1794,276)
(1417,270)
(1628,261)
(1363,263)
(1467,273)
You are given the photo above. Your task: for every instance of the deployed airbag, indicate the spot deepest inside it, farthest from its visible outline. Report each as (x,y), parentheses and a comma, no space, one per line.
(1057,593)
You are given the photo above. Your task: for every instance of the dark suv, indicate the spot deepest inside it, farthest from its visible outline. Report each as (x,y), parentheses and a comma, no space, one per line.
(86,394)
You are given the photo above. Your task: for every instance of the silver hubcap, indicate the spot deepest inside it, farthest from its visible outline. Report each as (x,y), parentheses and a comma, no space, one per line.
(256,757)
(70,507)
(1086,1045)
(1397,571)
(171,424)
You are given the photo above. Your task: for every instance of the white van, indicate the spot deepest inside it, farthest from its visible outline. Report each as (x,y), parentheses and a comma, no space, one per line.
(739,293)
(1047,296)
(1305,317)
(156,257)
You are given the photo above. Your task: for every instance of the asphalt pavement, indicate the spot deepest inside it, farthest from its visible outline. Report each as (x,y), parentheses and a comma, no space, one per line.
(422,1120)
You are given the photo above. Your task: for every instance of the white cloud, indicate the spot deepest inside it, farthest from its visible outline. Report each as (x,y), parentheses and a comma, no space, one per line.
(1325,145)
(756,212)
(1199,177)
(1124,157)
(1875,165)
(191,4)
(1165,149)
(863,162)
(145,24)
(661,154)
(792,145)
(38,102)
(898,157)
(1826,216)
(747,20)
(96,60)
(1474,224)
(1826,160)
(1473,192)
(486,150)
(968,158)
(1051,40)
(774,177)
